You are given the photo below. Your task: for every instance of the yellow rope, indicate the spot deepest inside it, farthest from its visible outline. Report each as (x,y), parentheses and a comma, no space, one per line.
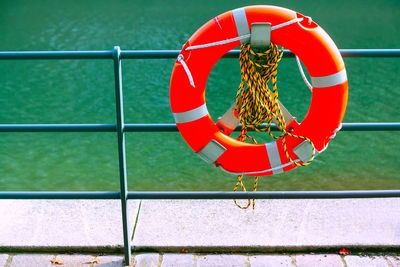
(258,104)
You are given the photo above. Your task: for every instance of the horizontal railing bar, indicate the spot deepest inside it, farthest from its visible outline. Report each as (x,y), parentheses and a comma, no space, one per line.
(58,128)
(203,194)
(156,54)
(264,195)
(165,54)
(371,126)
(167,127)
(370,52)
(159,127)
(59,195)
(44,55)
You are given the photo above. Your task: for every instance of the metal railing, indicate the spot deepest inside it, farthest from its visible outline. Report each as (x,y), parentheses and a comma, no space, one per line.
(116,55)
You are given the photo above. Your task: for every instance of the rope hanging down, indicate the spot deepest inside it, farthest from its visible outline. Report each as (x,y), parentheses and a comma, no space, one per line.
(258,104)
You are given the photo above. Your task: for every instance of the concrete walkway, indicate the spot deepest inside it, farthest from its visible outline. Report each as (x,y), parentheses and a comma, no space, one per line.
(63,225)
(274,225)
(207,231)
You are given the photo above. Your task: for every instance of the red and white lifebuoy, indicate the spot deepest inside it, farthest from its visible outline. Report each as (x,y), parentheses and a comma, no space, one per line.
(305,39)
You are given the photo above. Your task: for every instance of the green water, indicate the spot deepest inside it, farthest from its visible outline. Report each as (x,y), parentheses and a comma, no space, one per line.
(83,92)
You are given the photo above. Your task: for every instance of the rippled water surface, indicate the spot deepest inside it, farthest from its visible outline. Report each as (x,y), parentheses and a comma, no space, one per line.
(82,91)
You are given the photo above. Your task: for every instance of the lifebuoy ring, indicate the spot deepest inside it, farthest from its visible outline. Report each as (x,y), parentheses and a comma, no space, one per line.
(305,39)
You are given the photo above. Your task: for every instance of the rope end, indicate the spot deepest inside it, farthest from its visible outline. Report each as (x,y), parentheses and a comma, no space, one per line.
(185,67)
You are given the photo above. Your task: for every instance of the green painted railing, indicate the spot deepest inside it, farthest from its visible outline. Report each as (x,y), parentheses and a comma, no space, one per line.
(116,55)
(165,127)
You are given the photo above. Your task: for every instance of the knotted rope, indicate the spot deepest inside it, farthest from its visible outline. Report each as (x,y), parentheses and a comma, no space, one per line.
(257,104)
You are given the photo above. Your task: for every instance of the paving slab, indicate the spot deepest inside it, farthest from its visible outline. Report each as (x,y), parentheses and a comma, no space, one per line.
(394,260)
(177,260)
(63,225)
(274,225)
(75,260)
(271,260)
(147,260)
(84,260)
(3,259)
(199,260)
(370,261)
(222,261)
(320,260)
(111,261)
(31,260)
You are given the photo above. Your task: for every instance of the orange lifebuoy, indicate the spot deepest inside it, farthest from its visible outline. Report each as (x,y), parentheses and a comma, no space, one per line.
(305,39)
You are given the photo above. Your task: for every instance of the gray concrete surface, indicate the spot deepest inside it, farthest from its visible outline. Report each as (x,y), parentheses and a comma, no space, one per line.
(50,224)
(30,260)
(3,259)
(84,260)
(198,260)
(318,260)
(270,260)
(394,260)
(200,226)
(355,261)
(274,225)
(221,260)
(176,260)
(41,260)
(147,260)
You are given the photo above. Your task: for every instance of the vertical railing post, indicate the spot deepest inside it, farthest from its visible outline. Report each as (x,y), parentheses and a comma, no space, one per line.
(121,150)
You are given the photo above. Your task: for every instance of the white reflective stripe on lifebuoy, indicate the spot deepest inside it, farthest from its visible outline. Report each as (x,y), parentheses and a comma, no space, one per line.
(305,151)
(329,80)
(212,151)
(242,26)
(191,115)
(274,158)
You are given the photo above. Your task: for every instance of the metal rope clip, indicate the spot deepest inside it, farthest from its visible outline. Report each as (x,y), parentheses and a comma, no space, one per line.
(260,37)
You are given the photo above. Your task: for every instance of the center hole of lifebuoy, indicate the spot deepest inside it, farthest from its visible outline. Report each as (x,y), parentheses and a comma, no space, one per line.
(221,87)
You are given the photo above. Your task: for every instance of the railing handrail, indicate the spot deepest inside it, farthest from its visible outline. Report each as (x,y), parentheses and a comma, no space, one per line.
(200,194)
(169,127)
(164,54)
